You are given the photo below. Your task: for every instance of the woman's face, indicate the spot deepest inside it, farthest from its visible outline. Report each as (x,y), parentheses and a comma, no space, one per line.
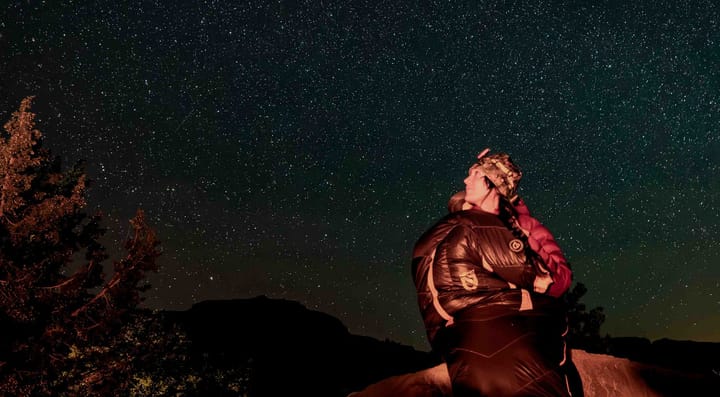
(476,186)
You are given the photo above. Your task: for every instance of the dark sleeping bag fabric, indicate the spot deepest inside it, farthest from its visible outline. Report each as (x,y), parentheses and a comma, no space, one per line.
(495,350)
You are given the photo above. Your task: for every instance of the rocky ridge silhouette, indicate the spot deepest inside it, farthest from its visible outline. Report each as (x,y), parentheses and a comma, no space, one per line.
(296,350)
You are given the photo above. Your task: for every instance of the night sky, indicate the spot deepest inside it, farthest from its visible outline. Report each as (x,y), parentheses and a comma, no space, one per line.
(298,149)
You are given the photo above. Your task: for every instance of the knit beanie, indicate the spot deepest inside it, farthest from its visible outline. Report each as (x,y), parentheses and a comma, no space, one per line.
(501,170)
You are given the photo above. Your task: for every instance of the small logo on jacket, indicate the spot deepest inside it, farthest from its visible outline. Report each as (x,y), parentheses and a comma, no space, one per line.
(469,280)
(516,245)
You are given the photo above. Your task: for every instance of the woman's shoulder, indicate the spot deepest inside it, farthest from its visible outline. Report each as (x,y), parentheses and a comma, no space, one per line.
(474,217)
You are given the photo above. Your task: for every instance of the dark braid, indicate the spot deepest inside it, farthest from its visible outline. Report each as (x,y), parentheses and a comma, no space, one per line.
(509,216)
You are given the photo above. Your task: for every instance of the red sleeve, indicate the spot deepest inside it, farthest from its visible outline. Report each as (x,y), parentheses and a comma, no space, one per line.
(542,241)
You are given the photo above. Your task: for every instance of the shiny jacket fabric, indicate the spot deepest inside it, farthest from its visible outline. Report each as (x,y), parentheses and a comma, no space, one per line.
(475,259)
(495,350)
(492,344)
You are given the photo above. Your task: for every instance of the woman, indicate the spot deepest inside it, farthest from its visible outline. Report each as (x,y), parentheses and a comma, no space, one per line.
(474,278)
(538,237)
(542,242)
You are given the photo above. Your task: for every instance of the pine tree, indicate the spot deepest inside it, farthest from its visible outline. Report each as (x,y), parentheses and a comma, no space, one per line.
(62,320)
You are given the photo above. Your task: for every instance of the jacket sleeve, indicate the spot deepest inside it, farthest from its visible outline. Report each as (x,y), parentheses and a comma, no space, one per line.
(542,241)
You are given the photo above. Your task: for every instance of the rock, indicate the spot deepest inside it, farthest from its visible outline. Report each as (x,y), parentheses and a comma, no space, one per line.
(602,376)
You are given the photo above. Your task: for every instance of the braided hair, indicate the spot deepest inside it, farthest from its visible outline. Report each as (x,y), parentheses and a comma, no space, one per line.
(509,217)
(504,175)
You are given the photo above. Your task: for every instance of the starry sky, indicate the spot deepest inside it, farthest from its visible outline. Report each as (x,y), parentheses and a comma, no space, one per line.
(298,149)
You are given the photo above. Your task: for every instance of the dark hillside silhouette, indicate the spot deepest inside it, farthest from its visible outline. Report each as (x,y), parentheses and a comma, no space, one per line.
(291,350)
(701,357)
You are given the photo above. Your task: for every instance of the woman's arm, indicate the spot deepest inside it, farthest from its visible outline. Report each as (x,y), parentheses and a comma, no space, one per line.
(542,241)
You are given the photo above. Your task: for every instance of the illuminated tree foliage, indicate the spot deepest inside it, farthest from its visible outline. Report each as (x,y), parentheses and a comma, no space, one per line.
(64,322)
